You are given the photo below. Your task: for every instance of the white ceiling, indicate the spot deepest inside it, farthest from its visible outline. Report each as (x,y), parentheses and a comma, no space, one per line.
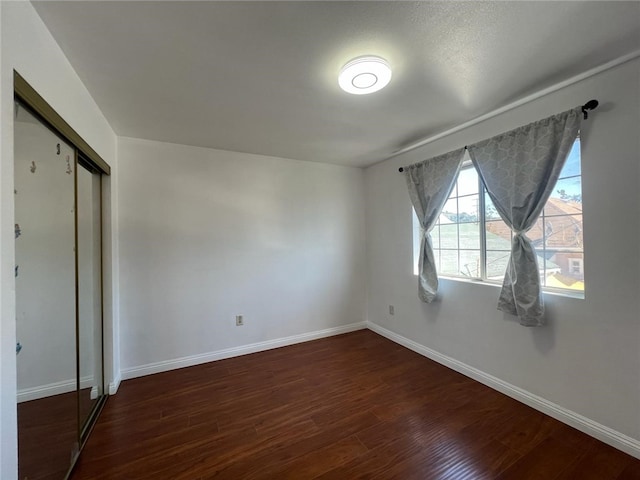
(261,77)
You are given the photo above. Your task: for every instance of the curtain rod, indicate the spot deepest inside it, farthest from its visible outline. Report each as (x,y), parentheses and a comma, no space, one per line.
(590,105)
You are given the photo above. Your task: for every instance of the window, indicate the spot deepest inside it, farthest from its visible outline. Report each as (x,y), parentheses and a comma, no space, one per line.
(471,241)
(575,266)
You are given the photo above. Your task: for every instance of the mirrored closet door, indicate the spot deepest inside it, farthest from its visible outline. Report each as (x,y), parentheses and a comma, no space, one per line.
(89,296)
(58,271)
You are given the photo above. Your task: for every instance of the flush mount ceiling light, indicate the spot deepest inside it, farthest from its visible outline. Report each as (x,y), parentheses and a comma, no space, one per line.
(364,75)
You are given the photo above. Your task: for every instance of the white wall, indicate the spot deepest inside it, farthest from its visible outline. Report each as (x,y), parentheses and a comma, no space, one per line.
(209,234)
(587,359)
(28,47)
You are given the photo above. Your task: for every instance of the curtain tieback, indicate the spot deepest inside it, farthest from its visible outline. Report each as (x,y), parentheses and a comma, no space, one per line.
(520,236)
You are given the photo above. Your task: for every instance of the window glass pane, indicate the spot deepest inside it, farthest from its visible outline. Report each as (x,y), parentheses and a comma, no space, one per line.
(449,236)
(467,181)
(566,197)
(572,166)
(497,264)
(449,262)
(450,211)
(454,191)
(498,235)
(468,208)
(575,265)
(490,210)
(435,237)
(469,236)
(470,263)
(564,232)
(416,242)
(550,269)
(564,270)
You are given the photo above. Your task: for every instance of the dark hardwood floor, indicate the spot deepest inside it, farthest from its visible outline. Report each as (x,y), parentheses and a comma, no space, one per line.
(351,406)
(47,436)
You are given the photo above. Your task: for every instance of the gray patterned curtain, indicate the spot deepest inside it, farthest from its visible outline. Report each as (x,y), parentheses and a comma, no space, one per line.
(519,170)
(430,182)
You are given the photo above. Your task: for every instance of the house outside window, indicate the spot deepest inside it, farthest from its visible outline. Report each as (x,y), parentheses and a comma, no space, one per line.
(470,240)
(575,266)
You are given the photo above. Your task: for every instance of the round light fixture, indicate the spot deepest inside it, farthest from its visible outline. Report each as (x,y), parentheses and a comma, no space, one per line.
(364,75)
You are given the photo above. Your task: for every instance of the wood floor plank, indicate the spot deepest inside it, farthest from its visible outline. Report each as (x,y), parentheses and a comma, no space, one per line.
(525,434)
(283,450)
(319,461)
(47,435)
(632,472)
(546,461)
(599,461)
(375,463)
(346,407)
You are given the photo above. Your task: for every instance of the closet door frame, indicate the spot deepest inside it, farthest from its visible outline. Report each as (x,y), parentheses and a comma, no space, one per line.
(32,99)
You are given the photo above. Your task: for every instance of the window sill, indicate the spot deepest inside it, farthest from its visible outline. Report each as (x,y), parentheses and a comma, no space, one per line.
(545,290)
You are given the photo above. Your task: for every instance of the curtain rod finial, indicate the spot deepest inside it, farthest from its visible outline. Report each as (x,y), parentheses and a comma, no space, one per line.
(590,105)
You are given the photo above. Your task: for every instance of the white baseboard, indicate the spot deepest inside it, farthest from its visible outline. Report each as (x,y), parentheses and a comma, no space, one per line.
(157,367)
(573,419)
(50,389)
(113,386)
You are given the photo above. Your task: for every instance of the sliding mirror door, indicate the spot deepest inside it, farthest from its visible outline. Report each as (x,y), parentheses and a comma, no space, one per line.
(45,299)
(89,290)
(58,245)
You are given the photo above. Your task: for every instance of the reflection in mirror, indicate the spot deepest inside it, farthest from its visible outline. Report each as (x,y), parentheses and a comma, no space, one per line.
(45,299)
(89,292)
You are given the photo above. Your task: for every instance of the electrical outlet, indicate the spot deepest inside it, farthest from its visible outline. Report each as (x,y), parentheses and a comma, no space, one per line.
(239,320)
(392,310)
